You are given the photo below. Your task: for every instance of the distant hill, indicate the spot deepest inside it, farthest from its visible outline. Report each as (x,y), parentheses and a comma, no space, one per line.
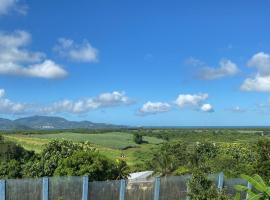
(49,123)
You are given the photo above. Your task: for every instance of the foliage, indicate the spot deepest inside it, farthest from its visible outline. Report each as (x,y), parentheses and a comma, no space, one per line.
(91,163)
(46,163)
(12,159)
(202,156)
(169,157)
(263,158)
(260,190)
(183,170)
(234,159)
(10,150)
(201,188)
(10,169)
(137,138)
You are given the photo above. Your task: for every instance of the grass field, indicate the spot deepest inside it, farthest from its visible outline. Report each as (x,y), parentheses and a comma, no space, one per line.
(112,144)
(109,144)
(115,140)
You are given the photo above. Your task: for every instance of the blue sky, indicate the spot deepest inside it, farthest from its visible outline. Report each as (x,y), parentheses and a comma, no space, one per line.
(167,63)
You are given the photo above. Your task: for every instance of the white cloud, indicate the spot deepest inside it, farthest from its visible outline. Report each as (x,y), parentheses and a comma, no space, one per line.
(261,81)
(85,105)
(2,93)
(16,60)
(194,101)
(226,68)
(258,83)
(184,100)
(83,52)
(46,69)
(9,107)
(7,6)
(154,108)
(261,61)
(207,108)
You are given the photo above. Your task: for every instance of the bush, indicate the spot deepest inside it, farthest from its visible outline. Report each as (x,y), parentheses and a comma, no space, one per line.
(137,138)
(169,157)
(96,166)
(46,163)
(201,188)
(263,160)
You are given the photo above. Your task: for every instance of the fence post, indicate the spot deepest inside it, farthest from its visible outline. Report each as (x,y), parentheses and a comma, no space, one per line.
(85,188)
(220,180)
(45,188)
(187,197)
(157,188)
(122,189)
(2,189)
(249,186)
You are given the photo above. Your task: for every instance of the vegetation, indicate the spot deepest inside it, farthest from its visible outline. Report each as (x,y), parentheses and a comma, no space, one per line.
(201,188)
(259,190)
(113,155)
(59,158)
(138,139)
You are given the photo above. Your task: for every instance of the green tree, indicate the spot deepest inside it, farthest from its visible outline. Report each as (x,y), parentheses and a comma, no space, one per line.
(10,150)
(234,159)
(202,154)
(137,138)
(201,188)
(169,157)
(263,159)
(10,169)
(93,164)
(46,163)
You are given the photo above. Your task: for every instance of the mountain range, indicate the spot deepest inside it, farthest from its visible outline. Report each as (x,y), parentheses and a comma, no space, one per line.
(50,123)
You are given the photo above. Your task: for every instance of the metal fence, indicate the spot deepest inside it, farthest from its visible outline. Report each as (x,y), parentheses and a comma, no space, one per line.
(79,188)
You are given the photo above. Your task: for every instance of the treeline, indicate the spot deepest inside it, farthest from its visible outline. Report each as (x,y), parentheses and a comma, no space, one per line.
(179,158)
(194,135)
(53,131)
(59,158)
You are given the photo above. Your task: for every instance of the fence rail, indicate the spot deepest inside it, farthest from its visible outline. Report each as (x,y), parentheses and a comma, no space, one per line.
(79,188)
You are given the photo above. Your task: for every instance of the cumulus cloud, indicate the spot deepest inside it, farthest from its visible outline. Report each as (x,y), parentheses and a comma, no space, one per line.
(260,82)
(7,6)
(9,107)
(83,105)
(184,100)
(87,104)
(226,68)
(195,101)
(151,108)
(15,59)
(83,52)
(207,108)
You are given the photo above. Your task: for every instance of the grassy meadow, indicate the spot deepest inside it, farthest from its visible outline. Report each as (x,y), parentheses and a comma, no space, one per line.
(112,144)
(120,144)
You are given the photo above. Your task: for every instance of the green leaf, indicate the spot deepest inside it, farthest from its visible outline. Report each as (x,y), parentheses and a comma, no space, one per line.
(256,197)
(241,188)
(237,196)
(259,179)
(251,193)
(255,184)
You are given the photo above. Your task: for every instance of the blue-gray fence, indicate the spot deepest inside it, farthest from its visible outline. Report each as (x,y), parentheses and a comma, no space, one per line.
(79,188)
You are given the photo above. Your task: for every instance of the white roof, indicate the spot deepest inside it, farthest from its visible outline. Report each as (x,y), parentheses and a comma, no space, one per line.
(140,175)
